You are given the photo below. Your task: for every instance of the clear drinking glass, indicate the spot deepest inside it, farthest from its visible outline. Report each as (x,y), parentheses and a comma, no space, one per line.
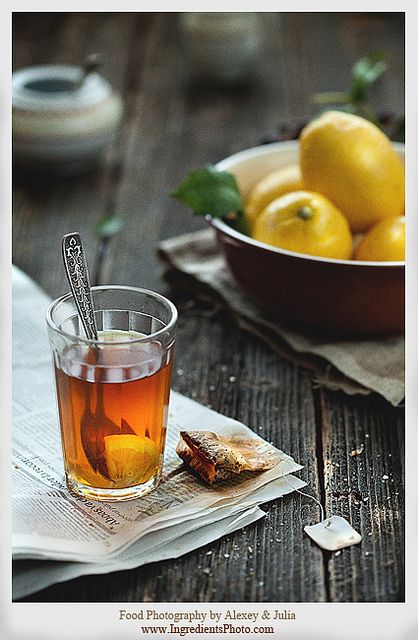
(113,393)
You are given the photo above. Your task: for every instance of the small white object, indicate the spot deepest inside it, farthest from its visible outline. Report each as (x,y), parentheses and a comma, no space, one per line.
(333,533)
(58,125)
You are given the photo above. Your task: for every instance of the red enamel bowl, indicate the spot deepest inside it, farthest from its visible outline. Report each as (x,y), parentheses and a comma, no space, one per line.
(342,296)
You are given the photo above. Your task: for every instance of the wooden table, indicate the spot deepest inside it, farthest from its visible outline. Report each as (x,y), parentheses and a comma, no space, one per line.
(174,124)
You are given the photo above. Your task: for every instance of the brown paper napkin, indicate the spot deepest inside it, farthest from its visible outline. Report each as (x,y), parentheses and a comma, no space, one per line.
(353,366)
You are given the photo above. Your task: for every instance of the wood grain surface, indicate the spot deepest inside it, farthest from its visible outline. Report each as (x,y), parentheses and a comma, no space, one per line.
(352,447)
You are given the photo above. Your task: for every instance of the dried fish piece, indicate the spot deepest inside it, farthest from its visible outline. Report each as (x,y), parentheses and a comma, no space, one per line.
(204,467)
(215,457)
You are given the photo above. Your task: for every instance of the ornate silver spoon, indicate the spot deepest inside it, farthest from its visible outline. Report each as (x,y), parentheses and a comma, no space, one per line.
(78,277)
(94,424)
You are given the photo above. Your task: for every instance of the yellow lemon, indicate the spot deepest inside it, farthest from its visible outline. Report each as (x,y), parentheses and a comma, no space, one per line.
(385,242)
(274,184)
(352,162)
(305,222)
(130,459)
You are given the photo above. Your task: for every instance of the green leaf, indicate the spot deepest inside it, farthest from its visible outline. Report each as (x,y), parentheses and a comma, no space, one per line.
(364,73)
(108,226)
(210,192)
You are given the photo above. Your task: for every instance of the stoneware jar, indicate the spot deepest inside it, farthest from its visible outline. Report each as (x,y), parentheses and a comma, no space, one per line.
(58,124)
(221,46)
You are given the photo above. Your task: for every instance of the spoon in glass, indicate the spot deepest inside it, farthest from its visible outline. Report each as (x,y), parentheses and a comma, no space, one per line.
(94,426)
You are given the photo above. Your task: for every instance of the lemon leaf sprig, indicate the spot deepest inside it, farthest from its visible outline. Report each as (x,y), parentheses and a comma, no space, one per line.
(214,193)
(364,73)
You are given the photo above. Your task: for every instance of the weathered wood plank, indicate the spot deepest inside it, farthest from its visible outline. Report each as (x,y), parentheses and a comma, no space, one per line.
(45,209)
(363,444)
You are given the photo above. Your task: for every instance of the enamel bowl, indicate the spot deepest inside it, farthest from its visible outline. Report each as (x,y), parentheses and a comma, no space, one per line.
(339,296)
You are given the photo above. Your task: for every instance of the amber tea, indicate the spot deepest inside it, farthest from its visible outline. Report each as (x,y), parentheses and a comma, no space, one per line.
(112,400)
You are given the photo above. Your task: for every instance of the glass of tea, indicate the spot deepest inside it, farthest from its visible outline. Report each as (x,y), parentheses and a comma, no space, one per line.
(113,393)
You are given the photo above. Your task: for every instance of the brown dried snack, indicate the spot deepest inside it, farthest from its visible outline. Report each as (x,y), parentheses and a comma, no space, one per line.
(215,457)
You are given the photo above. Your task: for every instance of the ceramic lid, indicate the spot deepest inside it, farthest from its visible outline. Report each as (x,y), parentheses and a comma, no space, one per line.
(52,88)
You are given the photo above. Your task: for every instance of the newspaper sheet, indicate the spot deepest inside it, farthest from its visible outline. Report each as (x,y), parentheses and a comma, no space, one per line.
(30,576)
(51,523)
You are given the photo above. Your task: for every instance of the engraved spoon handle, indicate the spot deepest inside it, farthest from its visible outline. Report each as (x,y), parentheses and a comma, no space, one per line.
(78,276)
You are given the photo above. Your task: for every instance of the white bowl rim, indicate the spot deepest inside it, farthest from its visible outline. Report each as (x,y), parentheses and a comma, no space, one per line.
(247,154)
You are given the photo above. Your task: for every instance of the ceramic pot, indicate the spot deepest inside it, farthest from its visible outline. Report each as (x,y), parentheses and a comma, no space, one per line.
(59,126)
(339,296)
(221,46)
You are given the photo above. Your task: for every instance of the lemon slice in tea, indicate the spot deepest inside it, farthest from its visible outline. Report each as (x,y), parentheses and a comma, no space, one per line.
(130,459)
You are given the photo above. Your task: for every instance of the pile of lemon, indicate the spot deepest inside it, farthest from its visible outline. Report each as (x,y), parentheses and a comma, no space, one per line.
(345,199)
